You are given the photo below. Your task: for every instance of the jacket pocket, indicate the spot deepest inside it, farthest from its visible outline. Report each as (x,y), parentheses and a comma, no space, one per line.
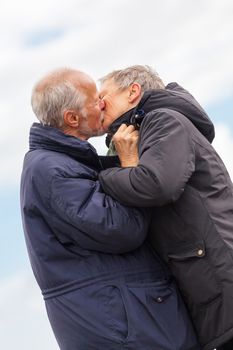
(158,290)
(97,309)
(195,274)
(159,315)
(115,312)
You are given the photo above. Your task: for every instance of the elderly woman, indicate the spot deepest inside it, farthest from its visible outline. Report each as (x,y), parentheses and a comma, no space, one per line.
(182,177)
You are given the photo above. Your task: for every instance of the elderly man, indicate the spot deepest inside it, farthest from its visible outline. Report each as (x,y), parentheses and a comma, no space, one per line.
(104,287)
(179,174)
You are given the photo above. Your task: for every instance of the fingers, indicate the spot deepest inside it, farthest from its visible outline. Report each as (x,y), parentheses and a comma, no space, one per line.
(135,133)
(126,144)
(121,136)
(125,130)
(124,127)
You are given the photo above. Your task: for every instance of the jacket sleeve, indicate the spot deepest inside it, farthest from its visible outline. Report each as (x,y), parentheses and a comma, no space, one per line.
(166,163)
(82,214)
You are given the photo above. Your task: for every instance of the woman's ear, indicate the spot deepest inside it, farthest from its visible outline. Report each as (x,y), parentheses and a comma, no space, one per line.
(71,118)
(134,92)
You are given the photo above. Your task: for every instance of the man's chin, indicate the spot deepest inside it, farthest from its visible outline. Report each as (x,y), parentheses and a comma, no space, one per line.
(102,130)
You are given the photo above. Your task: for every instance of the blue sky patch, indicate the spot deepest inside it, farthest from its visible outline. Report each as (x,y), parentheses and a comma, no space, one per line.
(13,248)
(41,37)
(221,111)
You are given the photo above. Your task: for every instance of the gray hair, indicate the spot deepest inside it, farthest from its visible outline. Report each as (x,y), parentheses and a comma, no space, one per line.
(146,76)
(53,95)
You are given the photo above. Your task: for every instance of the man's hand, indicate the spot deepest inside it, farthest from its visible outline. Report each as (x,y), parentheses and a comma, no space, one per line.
(126,143)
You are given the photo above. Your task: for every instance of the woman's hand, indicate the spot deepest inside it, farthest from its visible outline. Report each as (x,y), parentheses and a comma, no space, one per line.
(126,143)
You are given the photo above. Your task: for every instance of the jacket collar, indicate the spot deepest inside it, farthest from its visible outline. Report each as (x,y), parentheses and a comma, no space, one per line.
(172,97)
(129,117)
(133,116)
(52,139)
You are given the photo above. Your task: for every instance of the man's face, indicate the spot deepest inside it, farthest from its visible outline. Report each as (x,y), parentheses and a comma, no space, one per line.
(92,117)
(114,102)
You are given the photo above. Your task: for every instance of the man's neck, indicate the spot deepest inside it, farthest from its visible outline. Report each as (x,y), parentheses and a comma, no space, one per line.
(75,133)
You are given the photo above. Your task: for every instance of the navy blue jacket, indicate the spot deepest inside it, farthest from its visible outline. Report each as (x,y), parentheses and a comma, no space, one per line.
(103,285)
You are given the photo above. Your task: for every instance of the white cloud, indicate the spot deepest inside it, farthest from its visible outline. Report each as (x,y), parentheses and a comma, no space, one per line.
(23,320)
(187,41)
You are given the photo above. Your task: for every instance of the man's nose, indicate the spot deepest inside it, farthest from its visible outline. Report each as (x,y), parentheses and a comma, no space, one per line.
(102,104)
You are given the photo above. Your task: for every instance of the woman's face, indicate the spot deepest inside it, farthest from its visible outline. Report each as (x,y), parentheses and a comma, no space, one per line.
(114,102)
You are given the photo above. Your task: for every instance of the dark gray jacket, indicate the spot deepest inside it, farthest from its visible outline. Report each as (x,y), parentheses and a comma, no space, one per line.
(182,176)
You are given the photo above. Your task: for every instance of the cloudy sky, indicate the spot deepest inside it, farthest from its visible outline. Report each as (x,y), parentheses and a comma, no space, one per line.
(188,41)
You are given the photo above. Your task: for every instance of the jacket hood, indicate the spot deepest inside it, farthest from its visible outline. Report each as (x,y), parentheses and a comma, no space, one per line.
(52,139)
(172,97)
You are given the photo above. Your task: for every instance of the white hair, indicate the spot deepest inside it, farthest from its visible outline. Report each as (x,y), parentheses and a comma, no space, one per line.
(53,95)
(146,76)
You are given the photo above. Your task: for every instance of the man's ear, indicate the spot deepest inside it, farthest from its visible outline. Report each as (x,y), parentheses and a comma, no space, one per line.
(71,118)
(134,92)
